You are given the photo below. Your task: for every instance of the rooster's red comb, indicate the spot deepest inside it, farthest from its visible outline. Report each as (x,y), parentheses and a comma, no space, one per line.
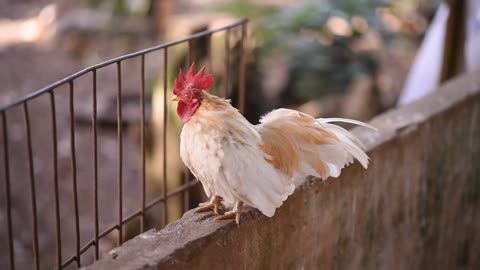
(198,81)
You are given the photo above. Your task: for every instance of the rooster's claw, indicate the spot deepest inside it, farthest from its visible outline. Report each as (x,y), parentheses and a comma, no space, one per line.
(235,213)
(214,204)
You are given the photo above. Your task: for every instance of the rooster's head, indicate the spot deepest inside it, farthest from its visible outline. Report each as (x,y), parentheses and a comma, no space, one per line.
(188,91)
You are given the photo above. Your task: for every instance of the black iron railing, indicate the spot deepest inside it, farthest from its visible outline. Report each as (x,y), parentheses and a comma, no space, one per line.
(66,260)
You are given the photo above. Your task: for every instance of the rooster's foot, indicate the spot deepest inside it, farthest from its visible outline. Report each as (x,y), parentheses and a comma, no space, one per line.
(235,213)
(215,203)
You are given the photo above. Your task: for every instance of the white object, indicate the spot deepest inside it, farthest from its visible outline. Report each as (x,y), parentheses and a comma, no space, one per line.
(424,75)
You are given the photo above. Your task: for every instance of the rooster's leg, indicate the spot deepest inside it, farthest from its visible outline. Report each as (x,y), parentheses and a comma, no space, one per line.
(214,204)
(235,213)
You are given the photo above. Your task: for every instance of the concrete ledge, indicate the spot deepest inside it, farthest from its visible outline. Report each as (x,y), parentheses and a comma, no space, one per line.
(416,207)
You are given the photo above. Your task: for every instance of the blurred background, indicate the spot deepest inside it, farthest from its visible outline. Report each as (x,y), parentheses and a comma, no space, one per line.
(342,58)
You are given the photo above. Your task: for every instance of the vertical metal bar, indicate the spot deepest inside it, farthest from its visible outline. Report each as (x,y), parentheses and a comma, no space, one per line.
(95,159)
(120,148)
(227,63)
(209,59)
(165,114)
(33,195)
(142,143)
(209,52)
(74,173)
(7,191)
(55,180)
(186,193)
(189,54)
(241,87)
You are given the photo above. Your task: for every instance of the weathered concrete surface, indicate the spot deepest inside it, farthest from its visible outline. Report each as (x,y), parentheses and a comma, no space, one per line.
(416,207)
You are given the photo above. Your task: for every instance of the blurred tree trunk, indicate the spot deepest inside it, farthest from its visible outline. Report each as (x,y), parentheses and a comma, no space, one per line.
(453,50)
(162,11)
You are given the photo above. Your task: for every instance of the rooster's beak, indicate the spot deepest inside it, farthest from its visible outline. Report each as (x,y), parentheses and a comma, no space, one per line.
(175,98)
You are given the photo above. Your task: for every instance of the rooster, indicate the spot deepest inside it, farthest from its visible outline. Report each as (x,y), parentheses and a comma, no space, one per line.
(257,165)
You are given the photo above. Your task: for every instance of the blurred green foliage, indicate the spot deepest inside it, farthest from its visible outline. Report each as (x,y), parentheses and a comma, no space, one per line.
(123,7)
(318,50)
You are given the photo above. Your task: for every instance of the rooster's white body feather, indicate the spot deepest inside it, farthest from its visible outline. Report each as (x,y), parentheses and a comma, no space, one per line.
(258,164)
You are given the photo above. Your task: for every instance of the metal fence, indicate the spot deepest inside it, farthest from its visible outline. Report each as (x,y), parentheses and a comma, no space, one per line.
(21,106)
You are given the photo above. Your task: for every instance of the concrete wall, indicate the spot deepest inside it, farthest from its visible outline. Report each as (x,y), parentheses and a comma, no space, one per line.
(416,207)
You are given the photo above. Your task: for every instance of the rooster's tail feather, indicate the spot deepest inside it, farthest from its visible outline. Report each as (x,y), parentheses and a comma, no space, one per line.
(350,144)
(346,120)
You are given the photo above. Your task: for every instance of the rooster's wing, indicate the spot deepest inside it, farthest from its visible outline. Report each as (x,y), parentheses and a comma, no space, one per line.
(299,145)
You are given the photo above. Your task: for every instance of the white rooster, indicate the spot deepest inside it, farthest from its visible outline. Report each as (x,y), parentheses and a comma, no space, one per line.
(239,163)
